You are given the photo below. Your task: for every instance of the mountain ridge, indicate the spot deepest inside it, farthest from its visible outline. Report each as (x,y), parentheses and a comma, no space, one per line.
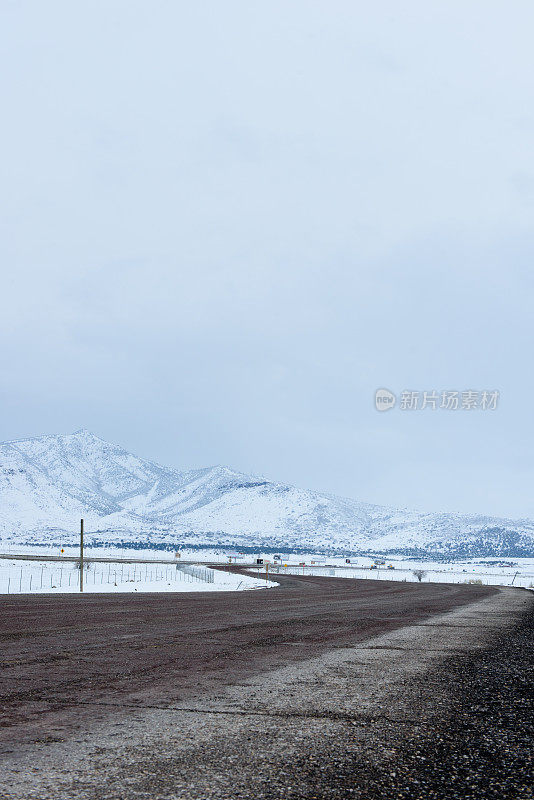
(48,482)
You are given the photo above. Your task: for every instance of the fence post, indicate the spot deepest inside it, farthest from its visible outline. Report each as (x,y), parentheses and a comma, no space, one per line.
(81,555)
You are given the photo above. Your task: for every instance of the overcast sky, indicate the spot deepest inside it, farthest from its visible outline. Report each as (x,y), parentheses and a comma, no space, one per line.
(225,224)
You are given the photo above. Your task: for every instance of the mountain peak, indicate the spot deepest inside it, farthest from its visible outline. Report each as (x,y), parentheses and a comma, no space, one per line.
(83,432)
(223,471)
(85,437)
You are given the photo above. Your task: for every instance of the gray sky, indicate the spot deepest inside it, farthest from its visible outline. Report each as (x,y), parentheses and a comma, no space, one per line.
(224,225)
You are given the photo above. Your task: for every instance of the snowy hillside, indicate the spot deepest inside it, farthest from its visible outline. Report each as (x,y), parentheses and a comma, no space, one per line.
(48,483)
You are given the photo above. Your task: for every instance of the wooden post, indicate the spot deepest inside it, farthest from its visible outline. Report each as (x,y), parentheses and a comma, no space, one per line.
(81,555)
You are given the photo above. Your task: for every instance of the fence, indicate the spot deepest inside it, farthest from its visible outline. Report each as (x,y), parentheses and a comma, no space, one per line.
(200,573)
(28,577)
(406,572)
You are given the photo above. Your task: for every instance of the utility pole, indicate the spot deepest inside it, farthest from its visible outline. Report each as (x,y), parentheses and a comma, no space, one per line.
(81,555)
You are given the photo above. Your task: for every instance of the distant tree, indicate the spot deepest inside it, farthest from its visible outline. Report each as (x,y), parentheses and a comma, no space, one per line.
(419,574)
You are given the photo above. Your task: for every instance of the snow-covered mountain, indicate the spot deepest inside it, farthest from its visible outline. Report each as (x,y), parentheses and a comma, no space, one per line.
(48,483)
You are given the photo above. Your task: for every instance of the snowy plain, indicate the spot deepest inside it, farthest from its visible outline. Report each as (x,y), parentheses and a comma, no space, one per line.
(169,574)
(53,577)
(433,572)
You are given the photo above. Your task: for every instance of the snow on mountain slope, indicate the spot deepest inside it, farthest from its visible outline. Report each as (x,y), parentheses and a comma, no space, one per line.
(48,483)
(27,496)
(100,475)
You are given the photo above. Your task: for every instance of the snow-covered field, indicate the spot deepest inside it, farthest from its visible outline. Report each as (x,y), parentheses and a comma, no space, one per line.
(50,577)
(176,576)
(490,574)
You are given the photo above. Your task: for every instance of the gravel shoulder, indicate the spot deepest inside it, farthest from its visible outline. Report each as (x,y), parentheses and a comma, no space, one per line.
(435,708)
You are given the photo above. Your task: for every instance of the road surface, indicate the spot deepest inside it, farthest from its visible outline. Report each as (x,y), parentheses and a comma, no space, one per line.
(94,676)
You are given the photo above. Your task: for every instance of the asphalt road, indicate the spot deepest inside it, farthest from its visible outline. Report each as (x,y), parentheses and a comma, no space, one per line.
(60,652)
(322,688)
(89,559)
